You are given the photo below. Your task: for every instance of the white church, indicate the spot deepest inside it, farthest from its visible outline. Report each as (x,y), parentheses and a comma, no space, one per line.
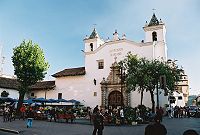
(98,81)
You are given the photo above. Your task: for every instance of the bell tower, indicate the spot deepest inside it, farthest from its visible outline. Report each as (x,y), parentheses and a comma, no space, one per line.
(155,30)
(93,41)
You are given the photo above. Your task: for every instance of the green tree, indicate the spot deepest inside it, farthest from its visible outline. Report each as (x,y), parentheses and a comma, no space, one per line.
(143,74)
(137,78)
(30,66)
(154,75)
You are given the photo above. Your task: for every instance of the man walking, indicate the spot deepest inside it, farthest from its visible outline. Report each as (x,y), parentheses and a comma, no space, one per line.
(156,128)
(98,123)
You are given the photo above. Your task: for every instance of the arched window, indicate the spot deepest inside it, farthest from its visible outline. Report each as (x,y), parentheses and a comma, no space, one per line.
(154,36)
(91,46)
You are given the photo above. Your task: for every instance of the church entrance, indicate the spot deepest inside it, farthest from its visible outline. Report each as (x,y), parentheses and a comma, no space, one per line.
(113,90)
(115,99)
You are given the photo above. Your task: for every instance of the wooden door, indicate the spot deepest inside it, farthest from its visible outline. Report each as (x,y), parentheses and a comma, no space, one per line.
(115,98)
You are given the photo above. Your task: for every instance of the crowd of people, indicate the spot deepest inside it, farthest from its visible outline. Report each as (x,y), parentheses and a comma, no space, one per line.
(9,114)
(178,112)
(115,115)
(33,112)
(155,127)
(99,116)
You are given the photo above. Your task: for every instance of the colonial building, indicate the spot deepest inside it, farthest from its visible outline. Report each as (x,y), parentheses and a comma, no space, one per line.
(98,82)
(182,90)
(10,85)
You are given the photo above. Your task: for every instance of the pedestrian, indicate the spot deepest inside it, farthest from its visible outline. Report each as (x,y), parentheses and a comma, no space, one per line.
(169,112)
(122,115)
(53,114)
(98,123)
(158,127)
(23,110)
(190,132)
(96,109)
(89,114)
(159,113)
(149,129)
(101,124)
(155,128)
(30,117)
(11,113)
(7,112)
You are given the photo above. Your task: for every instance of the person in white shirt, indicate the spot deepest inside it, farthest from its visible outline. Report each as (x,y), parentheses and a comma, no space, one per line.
(122,115)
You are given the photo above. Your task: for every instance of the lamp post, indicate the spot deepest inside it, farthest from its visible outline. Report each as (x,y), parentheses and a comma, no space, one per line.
(122,76)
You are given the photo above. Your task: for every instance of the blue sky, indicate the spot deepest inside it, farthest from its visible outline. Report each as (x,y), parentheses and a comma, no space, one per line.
(59,27)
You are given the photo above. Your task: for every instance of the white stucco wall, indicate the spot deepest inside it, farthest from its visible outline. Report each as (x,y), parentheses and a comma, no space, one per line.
(136,98)
(12,93)
(178,102)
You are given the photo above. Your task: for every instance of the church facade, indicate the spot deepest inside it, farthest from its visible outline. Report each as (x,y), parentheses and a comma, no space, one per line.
(99,82)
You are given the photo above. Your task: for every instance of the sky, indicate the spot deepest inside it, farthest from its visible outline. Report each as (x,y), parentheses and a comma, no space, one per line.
(59,27)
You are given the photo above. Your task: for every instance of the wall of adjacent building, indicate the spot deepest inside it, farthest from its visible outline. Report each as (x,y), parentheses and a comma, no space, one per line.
(12,92)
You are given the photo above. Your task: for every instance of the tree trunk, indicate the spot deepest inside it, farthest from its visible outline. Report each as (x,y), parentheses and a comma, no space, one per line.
(152,101)
(141,97)
(157,95)
(20,101)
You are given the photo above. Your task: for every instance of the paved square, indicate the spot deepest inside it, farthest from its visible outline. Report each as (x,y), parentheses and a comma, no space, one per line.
(174,127)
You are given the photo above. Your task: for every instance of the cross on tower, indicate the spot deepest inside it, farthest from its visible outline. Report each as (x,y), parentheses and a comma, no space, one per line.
(154,9)
(115,59)
(94,25)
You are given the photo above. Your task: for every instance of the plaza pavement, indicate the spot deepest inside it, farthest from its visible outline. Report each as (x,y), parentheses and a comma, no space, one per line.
(174,127)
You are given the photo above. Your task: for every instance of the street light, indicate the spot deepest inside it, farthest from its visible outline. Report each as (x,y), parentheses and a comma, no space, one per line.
(122,76)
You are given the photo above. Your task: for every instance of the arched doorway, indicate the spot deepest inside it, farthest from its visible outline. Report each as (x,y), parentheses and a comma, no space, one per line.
(115,99)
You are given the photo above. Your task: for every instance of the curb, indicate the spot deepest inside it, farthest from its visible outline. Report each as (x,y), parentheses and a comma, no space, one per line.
(9,130)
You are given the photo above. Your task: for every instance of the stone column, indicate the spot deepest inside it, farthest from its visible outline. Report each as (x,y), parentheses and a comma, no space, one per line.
(106,96)
(103,96)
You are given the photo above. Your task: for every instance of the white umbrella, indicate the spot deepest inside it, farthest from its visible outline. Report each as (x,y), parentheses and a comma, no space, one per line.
(35,104)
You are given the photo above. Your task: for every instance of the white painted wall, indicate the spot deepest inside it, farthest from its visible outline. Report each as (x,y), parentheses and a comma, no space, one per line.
(136,98)
(12,92)
(178,102)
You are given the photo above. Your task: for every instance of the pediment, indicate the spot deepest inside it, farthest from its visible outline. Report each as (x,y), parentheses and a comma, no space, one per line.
(114,76)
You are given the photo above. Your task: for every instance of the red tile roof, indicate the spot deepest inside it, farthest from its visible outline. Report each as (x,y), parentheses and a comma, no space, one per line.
(70,72)
(8,83)
(11,83)
(43,85)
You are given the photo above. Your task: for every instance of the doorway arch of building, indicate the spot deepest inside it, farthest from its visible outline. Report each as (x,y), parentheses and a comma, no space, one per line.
(115,99)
